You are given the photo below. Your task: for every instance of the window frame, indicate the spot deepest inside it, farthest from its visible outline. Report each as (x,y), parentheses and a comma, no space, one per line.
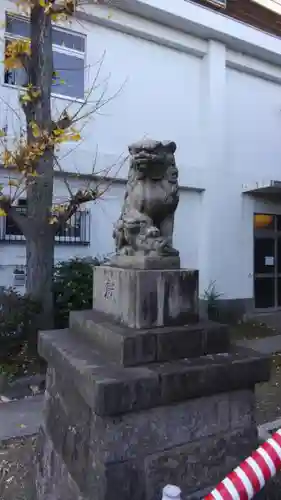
(60,239)
(57,48)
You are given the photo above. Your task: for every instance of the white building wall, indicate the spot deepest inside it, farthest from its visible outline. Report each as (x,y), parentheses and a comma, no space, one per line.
(156,95)
(253,153)
(222,107)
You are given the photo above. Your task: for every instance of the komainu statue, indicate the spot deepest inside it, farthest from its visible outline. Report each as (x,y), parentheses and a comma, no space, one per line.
(145,226)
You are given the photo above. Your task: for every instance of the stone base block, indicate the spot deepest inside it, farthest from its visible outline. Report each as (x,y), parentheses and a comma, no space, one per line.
(146,299)
(53,481)
(131,347)
(114,432)
(132,457)
(110,389)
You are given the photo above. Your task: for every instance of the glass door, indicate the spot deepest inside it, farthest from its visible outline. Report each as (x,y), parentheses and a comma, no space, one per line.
(267,246)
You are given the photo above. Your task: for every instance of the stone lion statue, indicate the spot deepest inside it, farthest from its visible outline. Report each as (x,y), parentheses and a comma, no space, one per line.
(145,226)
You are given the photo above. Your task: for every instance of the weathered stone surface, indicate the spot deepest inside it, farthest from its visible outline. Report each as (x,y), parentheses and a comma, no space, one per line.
(210,374)
(132,435)
(145,226)
(134,455)
(126,346)
(143,262)
(111,390)
(191,341)
(146,299)
(68,425)
(242,409)
(138,434)
(198,464)
(116,480)
(53,481)
(132,347)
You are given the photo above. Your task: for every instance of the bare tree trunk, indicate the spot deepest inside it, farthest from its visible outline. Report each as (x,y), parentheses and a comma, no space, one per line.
(39,256)
(40,234)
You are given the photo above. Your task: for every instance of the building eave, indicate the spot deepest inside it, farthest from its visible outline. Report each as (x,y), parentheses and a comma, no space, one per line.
(266,188)
(193,19)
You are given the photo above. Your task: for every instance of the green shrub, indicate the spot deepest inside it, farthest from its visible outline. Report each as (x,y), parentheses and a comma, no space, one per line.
(72,287)
(211,296)
(17,318)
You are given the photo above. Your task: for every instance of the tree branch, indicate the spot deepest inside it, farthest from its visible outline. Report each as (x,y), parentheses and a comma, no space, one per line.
(78,199)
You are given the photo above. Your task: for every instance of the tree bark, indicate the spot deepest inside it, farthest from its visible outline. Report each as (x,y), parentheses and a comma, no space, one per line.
(40,234)
(39,256)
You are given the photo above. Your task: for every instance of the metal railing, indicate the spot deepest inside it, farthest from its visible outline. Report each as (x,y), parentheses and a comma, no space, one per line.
(75,232)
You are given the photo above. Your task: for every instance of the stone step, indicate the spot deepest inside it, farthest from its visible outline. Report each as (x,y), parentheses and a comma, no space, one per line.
(132,347)
(110,389)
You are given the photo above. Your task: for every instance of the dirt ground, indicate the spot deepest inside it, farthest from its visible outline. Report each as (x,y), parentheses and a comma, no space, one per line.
(16,469)
(268,396)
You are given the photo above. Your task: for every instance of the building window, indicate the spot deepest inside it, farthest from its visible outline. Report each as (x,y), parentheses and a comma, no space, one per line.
(75,232)
(68,54)
(274,5)
(11,230)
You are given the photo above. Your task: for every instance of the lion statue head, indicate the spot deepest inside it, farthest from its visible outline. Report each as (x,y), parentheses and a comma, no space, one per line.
(152,158)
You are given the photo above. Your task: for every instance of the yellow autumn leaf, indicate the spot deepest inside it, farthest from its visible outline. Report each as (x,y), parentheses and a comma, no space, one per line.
(2,212)
(35,129)
(75,137)
(53,220)
(57,132)
(25,97)
(13,182)
(7,158)
(48,9)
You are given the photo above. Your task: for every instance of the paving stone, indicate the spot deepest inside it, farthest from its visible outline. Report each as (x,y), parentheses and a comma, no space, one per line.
(21,418)
(267,345)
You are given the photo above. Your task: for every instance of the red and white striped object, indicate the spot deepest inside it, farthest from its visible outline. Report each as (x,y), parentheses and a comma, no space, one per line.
(252,474)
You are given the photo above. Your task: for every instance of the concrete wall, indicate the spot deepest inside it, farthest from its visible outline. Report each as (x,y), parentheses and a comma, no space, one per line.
(218,99)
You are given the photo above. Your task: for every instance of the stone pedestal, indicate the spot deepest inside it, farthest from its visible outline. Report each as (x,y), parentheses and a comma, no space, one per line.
(129,410)
(139,393)
(146,298)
